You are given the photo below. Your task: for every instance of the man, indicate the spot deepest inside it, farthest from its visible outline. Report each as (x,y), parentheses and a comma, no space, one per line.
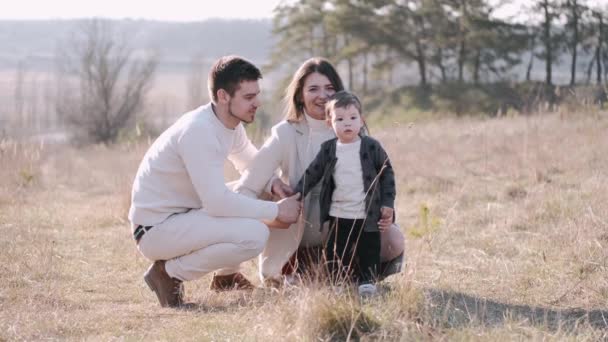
(183,215)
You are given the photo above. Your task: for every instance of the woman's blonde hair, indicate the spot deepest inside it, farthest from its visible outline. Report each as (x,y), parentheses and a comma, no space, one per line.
(294,102)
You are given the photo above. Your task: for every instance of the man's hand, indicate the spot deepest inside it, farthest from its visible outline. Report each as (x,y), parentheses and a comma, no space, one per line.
(386,218)
(289,209)
(281,189)
(276,224)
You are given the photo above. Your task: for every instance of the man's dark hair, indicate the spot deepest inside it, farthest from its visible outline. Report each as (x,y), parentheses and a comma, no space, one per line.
(228,72)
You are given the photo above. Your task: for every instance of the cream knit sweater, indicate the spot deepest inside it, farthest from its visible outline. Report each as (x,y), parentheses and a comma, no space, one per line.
(184,170)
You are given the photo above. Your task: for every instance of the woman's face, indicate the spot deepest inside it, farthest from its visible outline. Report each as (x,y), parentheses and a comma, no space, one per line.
(315,93)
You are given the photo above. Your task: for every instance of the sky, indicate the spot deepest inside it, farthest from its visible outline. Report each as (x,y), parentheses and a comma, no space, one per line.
(173,10)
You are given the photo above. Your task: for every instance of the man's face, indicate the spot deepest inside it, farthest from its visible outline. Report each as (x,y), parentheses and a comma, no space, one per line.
(245,101)
(346,123)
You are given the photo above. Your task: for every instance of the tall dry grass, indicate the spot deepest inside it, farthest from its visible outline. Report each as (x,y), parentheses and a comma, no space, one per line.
(506,223)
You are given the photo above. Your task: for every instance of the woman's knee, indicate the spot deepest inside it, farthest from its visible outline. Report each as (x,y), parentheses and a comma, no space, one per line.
(393,243)
(397,238)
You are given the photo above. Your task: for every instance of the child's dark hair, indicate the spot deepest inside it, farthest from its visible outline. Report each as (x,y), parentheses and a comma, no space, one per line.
(228,72)
(345,99)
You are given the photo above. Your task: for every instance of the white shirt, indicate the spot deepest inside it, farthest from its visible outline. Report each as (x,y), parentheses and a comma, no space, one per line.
(184,169)
(348,198)
(319,132)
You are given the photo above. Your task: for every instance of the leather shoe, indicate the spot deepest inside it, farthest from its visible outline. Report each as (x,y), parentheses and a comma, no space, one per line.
(235,281)
(170,291)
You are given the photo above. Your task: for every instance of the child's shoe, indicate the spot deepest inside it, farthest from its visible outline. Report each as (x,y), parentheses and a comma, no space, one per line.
(367,291)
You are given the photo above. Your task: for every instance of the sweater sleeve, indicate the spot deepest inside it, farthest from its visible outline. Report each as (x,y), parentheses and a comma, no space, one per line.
(261,171)
(243,151)
(314,172)
(387,178)
(204,163)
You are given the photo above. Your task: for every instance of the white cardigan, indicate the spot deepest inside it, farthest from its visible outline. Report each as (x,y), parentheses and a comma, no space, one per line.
(278,153)
(287,150)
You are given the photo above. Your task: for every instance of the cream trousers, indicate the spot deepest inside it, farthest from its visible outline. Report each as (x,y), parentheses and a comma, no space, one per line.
(194,243)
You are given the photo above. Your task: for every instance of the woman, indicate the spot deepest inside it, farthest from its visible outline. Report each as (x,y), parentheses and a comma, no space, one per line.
(292,146)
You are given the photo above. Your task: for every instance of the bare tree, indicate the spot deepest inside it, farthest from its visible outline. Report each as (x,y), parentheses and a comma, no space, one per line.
(600,39)
(575,10)
(102,82)
(550,12)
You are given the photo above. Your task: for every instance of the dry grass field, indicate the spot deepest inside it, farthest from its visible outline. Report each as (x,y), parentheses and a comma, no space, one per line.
(507,239)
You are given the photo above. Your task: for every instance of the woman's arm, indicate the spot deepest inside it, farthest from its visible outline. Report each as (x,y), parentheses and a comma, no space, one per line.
(314,172)
(262,168)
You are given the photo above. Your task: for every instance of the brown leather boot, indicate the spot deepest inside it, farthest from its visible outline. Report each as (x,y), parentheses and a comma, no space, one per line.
(170,291)
(235,281)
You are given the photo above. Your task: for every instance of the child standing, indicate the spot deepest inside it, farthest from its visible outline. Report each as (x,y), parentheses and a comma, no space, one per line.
(357,195)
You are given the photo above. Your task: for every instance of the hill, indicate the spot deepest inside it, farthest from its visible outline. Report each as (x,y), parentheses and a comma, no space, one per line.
(35,42)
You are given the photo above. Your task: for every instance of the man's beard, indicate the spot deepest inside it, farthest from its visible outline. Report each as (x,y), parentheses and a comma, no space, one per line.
(234,115)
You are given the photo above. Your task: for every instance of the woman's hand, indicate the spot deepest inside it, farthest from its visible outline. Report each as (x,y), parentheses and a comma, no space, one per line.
(386,218)
(281,189)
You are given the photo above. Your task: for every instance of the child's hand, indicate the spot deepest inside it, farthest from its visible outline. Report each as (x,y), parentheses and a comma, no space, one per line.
(386,218)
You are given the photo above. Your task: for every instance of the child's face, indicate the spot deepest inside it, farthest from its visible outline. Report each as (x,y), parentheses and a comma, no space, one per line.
(346,123)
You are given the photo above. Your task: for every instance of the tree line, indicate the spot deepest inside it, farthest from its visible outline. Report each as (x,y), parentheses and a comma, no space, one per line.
(447,41)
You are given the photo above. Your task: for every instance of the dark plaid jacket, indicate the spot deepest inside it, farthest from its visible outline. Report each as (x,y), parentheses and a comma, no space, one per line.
(378,179)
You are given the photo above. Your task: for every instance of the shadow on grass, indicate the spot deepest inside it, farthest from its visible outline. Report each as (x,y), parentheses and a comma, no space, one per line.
(206,308)
(453,309)
(229,301)
(217,302)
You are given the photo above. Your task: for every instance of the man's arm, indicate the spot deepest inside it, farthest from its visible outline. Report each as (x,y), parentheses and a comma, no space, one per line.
(243,152)
(260,173)
(200,152)
(244,156)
